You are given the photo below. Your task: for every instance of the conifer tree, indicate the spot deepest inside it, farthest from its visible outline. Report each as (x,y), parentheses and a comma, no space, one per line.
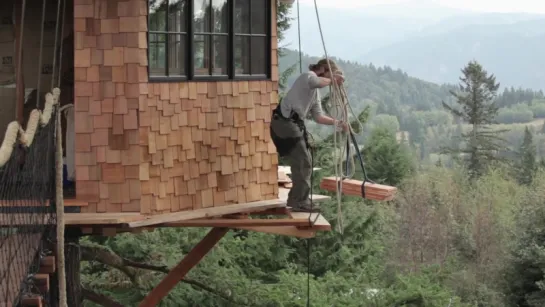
(527,165)
(475,105)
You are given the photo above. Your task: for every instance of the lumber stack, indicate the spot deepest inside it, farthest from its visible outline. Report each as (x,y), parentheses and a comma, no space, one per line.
(284,180)
(352,187)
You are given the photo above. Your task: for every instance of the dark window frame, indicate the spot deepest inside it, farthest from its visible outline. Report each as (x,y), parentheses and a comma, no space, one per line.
(190,47)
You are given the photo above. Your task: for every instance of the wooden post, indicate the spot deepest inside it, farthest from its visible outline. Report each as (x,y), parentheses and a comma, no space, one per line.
(20,82)
(178,273)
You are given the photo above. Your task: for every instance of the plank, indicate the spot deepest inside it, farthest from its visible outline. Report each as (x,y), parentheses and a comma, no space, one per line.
(230,223)
(318,220)
(68,202)
(73,202)
(287,170)
(208,212)
(283,194)
(290,231)
(23,203)
(24,219)
(47,265)
(352,187)
(101,218)
(32,301)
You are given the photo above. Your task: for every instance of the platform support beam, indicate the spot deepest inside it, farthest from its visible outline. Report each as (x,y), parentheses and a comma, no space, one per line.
(180,271)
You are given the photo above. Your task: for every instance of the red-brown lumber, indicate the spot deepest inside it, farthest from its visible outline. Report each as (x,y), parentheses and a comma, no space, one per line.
(352,187)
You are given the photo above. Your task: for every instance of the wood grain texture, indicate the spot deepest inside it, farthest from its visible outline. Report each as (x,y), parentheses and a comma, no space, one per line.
(163,147)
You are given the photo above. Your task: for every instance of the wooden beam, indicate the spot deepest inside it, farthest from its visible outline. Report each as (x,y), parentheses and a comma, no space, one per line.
(230,223)
(290,231)
(317,221)
(101,218)
(19,81)
(178,273)
(208,212)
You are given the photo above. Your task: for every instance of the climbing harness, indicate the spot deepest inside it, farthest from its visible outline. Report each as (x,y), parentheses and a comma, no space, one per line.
(285,145)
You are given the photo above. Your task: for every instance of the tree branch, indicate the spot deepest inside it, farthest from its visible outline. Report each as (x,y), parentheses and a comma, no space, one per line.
(98,298)
(129,267)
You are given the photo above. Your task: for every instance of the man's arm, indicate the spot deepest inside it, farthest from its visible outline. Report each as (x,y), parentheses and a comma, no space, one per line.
(320,82)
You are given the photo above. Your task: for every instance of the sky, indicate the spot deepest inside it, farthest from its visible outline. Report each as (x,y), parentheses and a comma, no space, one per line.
(530,6)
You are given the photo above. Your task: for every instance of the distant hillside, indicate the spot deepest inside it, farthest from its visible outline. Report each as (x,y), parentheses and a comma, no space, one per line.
(387,91)
(352,32)
(513,52)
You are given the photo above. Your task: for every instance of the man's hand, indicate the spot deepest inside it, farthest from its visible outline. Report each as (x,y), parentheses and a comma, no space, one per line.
(344,126)
(339,79)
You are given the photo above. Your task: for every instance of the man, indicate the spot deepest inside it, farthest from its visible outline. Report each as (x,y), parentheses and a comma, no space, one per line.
(288,130)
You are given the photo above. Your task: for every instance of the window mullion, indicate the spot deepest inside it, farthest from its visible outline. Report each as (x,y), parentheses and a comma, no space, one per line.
(231,41)
(211,39)
(167,40)
(190,58)
(250,38)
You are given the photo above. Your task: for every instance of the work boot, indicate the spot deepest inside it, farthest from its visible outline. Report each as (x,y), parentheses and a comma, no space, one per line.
(304,206)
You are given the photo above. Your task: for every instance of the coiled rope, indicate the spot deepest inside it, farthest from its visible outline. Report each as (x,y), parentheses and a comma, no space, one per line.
(340,107)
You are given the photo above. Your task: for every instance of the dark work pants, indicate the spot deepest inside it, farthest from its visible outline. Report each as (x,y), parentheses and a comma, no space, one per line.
(289,140)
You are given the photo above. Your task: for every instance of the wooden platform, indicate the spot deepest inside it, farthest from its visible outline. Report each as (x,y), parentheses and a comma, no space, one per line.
(135,220)
(239,216)
(17,252)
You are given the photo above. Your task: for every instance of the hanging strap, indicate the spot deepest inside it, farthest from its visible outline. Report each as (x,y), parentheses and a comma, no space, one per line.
(360,159)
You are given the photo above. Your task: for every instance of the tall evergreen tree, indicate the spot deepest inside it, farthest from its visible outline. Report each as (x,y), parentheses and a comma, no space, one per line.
(527,165)
(475,98)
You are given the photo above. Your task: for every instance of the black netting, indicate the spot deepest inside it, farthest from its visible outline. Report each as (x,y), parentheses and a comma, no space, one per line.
(27,215)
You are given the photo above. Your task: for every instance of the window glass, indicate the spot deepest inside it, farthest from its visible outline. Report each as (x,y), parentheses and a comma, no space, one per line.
(258,55)
(177,47)
(201,16)
(242,55)
(221,16)
(177,17)
(157,13)
(199,33)
(242,16)
(201,55)
(157,54)
(258,20)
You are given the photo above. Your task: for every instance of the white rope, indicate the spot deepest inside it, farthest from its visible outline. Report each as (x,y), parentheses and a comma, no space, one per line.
(16,132)
(341,105)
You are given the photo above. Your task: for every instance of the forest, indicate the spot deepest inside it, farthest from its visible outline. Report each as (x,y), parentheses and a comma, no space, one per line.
(467,228)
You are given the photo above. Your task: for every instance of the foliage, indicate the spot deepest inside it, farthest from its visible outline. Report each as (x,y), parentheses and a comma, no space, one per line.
(476,107)
(527,164)
(387,160)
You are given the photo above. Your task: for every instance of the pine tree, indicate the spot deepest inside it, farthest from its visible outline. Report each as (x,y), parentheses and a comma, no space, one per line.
(527,165)
(476,106)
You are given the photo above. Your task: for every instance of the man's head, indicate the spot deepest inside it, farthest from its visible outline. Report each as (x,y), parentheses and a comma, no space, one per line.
(322,69)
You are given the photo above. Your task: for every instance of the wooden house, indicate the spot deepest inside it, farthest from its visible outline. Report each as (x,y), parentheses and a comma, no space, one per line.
(171,106)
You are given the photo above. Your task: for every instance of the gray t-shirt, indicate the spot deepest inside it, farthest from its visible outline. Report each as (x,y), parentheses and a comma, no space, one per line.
(303,97)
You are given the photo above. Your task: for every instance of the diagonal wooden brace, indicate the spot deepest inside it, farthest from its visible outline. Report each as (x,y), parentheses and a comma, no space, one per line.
(180,271)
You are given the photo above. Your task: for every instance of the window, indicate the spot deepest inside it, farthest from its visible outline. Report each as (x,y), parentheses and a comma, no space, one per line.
(209,39)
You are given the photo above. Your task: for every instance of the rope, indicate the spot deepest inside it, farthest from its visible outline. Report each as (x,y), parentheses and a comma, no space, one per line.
(16,132)
(59,202)
(341,105)
(59,197)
